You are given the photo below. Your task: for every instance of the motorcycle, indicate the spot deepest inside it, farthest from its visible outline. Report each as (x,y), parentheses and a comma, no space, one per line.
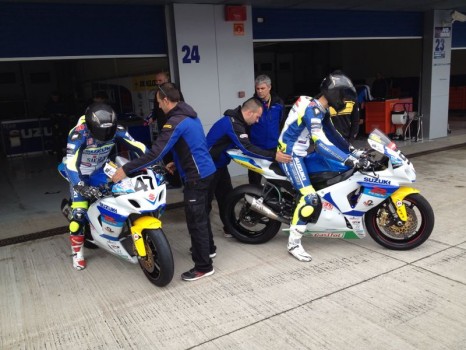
(124,219)
(376,199)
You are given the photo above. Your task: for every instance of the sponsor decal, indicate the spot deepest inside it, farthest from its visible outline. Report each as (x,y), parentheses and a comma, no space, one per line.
(378,181)
(109,229)
(299,168)
(399,203)
(151,197)
(369,203)
(108,219)
(115,247)
(167,126)
(312,103)
(113,210)
(243,136)
(378,190)
(70,146)
(75,137)
(79,127)
(136,236)
(327,206)
(98,150)
(329,235)
(315,121)
(316,111)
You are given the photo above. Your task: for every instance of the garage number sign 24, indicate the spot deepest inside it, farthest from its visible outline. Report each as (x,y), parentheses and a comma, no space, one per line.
(191,54)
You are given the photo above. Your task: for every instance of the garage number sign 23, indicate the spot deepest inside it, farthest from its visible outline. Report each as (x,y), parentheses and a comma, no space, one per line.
(190,54)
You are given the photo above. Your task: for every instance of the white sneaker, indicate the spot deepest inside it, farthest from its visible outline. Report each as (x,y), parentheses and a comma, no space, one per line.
(299,253)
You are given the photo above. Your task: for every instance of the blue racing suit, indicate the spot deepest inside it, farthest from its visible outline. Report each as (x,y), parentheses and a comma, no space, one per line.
(308,119)
(86,156)
(230,131)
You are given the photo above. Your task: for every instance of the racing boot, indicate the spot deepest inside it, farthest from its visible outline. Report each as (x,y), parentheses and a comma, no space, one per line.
(77,243)
(308,201)
(295,247)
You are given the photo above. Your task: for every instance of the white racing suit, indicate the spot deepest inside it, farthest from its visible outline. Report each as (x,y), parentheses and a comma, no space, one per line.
(307,119)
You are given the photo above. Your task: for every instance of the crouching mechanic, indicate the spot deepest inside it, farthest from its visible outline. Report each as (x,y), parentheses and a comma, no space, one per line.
(309,118)
(89,145)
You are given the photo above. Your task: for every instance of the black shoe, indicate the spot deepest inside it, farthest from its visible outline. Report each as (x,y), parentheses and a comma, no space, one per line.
(193,275)
(211,255)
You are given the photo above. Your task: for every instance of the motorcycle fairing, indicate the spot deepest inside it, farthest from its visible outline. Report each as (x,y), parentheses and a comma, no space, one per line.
(110,217)
(248,163)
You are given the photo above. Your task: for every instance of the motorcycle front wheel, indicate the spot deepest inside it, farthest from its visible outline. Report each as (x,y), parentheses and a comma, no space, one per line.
(158,263)
(415,231)
(245,224)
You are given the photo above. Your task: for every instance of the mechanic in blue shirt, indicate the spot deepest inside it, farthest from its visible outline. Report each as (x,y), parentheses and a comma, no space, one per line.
(310,118)
(265,132)
(232,131)
(183,135)
(89,145)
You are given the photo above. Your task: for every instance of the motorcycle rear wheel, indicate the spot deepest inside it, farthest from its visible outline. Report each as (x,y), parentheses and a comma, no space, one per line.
(245,224)
(158,264)
(412,234)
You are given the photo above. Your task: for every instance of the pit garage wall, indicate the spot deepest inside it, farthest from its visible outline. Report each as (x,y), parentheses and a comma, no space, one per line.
(215,63)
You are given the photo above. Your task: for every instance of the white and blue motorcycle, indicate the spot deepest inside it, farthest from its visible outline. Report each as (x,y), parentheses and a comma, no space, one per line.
(124,220)
(377,199)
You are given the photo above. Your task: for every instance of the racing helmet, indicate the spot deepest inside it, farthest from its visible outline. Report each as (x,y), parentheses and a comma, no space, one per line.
(101,121)
(337,88)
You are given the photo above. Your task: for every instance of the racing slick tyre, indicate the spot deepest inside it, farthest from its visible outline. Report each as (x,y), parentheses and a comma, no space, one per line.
(158,263)
(415,231)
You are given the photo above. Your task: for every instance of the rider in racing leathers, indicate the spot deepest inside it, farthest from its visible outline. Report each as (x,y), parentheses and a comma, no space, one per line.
(309,118)
(89,145)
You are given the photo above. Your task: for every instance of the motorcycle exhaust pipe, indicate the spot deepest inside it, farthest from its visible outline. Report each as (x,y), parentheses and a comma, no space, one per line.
(261,208)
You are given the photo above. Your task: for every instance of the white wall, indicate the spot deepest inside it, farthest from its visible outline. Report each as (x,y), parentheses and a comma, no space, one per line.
(436,74)
(226,64)
(226,61)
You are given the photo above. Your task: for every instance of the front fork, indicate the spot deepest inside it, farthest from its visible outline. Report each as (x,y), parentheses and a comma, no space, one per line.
(140,224)
(397,206)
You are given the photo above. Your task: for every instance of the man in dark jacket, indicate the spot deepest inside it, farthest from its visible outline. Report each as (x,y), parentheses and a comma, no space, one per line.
(158,116)
(184,136)
(232,131)
(265,132)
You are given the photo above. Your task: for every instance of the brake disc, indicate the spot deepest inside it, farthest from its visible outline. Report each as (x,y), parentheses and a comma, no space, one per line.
(404,231)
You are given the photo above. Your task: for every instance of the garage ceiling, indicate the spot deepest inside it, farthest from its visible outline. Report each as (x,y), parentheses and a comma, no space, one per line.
(360,5)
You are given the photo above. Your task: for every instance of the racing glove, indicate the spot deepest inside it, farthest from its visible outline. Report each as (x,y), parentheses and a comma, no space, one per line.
(358,153)
(88,192)
(361,163)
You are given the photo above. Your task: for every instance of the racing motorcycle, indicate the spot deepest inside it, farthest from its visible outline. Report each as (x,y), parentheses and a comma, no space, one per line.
(377,199)
(124,219)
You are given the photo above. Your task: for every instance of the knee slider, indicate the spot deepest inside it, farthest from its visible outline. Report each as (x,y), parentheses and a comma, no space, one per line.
(75,227)
(79,214)
(306,211)
(312,199)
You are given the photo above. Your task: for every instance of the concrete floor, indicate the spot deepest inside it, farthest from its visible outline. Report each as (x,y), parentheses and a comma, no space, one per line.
(353,295)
